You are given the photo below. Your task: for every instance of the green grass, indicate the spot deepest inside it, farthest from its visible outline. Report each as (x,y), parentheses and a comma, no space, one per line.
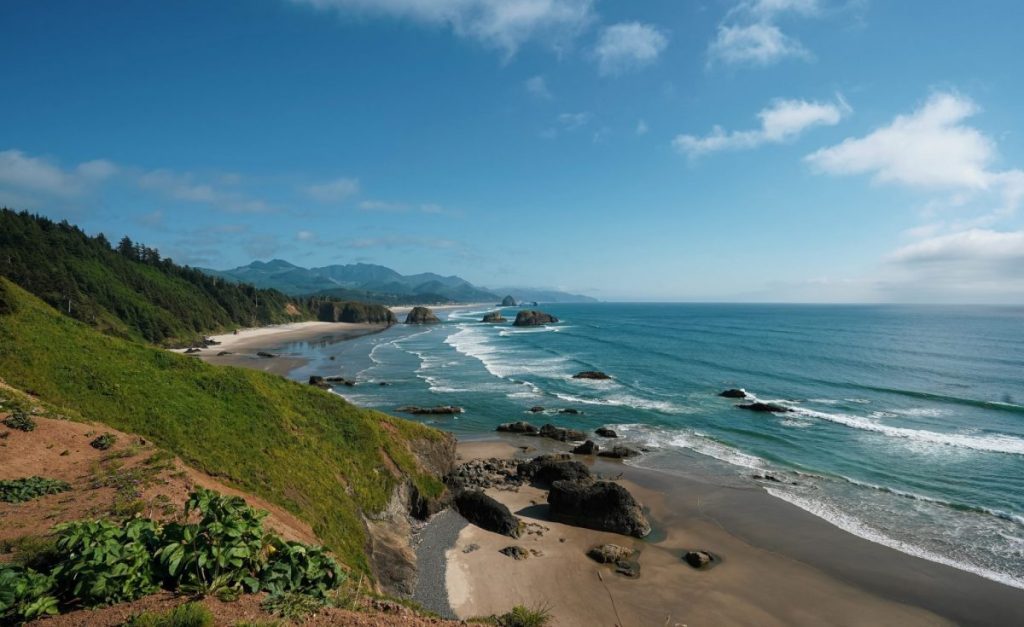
(299,447)
(187,615)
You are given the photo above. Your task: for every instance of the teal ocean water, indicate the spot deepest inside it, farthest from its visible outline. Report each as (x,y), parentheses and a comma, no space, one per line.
(908,422)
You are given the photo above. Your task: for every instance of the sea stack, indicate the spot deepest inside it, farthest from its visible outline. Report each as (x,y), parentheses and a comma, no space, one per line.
(421,315)
(494,316)
(533,318)
(508,301)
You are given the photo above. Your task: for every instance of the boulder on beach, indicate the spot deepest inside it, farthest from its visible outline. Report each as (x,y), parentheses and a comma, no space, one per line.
(428,411)
(773,408)
(520,426)
(620,452)
(494,317)
(733,393)
(698,559)
(587,448)
(561,433)
(515,551)
(592,374)
(601,505)
(533,318)
(605,432)
(421,315)
(508,301)
(487,513)
(609,553)
(546,469)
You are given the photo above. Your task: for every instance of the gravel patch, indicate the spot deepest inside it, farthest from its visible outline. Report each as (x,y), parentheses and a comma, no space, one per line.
(431,544)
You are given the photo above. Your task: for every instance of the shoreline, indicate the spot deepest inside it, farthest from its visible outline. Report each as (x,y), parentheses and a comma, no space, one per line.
(779,564)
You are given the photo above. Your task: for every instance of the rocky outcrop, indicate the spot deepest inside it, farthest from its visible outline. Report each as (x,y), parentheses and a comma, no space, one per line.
(340,379)
(561,433)
(440,410)
(536,409)
(601,505)
(587,448)
(494,317)
(605,432)
(421,315)
(592,374)
(570,410)
(547,469)
(698,559)
(773,408)
(508,301)
(520,426)
(620,452)
(733,393)
(319,382)
(533,318)
(481,474)
(356,313)
(487,513)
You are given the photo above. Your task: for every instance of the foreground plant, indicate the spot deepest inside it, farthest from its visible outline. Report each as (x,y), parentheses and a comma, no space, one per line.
(20,421)
(25,594)
(28,488)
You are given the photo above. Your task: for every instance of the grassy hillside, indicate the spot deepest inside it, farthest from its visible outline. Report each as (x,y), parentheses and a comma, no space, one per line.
(304,449)
(129,290)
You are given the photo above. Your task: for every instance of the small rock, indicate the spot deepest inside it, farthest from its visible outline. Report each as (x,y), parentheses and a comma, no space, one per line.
(439,410)
(570,410)
(587,448)
(536,409)
(517,427)
(515,552)
(773,408)
(733,393)
(628,568)
(471,548)
(605,432)
(620,452)
(265,354)
(591,374)
(609,553)
(698,559)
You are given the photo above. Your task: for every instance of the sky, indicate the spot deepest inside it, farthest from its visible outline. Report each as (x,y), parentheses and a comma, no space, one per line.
(716,150)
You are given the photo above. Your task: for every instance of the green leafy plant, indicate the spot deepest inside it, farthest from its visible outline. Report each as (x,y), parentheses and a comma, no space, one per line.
(28,488)
(292,605)
(522,616)
(192,614)
(25,594)
(104,441)
(104,563)
(293,566)
(20,421)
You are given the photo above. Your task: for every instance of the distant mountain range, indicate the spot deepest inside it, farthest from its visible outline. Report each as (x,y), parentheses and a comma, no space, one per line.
(374,283)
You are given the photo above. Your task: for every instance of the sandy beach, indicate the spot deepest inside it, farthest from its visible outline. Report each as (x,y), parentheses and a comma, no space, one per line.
(779,565)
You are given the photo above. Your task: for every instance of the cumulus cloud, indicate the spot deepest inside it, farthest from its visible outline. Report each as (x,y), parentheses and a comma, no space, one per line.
(500,24)
(782,121)
(627,46)
(537,87)
(750,35)
(384,206)
(971,245)
(189,187)
(333,191)
(20,172)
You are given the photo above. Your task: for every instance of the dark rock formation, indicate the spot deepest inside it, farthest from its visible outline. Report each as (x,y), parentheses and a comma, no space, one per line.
(628,568)
(421,315)
(265,354)
(570,410)
(609,553)
(698,559)
(223,353)
(587,448)
(591,374)
(605,432)
(480,474)
(533,318)
(520,426)
(561,434)
(486,513)
(536,409)
(733,393)
(430,411)
(602,505)
(766,407)
(355,312)
(508,301)
(515,552)
(319,382)
(494,316)
(340,379)
(191,350)
(620,452)
(547,469)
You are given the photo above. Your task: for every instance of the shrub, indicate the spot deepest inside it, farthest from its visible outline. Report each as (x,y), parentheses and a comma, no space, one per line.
(21,421)
(187,615)
(104,441)
(21,490)
(293,566)
(522,616)
(291,605)
(25,595)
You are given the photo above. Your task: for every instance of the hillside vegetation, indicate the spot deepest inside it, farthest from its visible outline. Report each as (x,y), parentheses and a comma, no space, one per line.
(299,447)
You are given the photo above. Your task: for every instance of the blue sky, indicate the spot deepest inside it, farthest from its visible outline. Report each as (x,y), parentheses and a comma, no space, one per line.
(750,150)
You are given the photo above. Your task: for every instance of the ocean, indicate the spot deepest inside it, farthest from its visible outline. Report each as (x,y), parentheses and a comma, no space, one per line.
(908,421)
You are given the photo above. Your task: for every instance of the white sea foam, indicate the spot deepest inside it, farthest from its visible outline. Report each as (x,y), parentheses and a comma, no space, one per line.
(923,412)
(660,438)
(475,341)
(857,527)
(991,443)
(628,400)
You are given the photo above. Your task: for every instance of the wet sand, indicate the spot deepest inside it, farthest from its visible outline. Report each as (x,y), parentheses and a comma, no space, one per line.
(779,565)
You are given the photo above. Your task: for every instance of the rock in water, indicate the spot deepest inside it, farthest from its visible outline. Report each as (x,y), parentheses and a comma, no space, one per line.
(533,318)
(421,315)
(430,411)
(698,559)
(265,354)
(547,469)
(536,409)
(487,513)
(570,410)
(766,407)
(517,427)
(605,432)
(733,393)
(620,452)
(587,448)
(591,374)
(319,382)
(602,505)
(494,316)
(561,434)
(508,301)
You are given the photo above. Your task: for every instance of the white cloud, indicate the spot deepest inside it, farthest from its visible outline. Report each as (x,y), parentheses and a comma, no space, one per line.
(782,121)
(305,236)
(25,173)
(628,46)
(402,207)
(501,24)
(767,9)
(974,245)
(755,44)
(641,127)
(536,86)
(333,191)
(929,148)
(190,188)
(573,121)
